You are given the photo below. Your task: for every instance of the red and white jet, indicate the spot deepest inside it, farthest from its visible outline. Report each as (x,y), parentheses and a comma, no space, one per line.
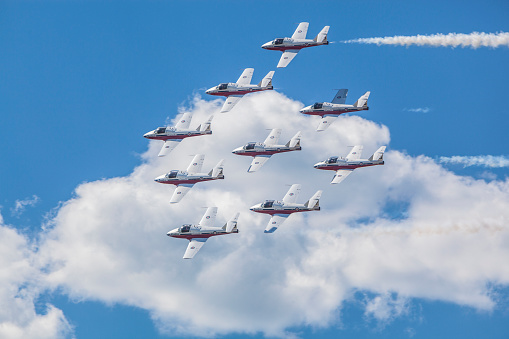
(291,46)
(198,234)
(185,180)
(345,166)
(280,210)
(329,111)
(261,152)
(235,91)
(172,136)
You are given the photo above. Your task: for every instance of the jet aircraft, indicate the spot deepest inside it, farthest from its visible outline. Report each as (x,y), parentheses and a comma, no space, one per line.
(291,46)
(198,234)
(280,210)
(185,180)
(235,91)
(345,166)
(329,111)
(172,136)
(261,152)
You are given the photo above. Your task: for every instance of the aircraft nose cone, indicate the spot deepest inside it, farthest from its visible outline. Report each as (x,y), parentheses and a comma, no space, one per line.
(159,178)
(146,135)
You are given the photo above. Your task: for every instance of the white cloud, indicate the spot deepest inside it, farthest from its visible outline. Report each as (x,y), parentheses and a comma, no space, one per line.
(109,243)
(19,289)
(418,110)
(492,161)
(473,40)
(21,205)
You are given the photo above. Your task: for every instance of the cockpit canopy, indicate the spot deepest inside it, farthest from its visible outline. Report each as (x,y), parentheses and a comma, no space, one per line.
(185,228)
(160,130)
(278,41)
(222,86)
(172,174)
(318,105)
(268,204)
(332,160)
(250,145)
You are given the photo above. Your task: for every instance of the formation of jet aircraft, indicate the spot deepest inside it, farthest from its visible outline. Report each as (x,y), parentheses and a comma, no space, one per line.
(235,91)
(291,46)
(198,234)
(329,111)
(280,210)
(345,166)
(185,180)
(261,152)
(172,136)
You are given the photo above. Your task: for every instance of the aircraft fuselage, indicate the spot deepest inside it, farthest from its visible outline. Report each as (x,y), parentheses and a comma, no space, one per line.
(184,178)
(261,149)
(234,89)
(281,208)
(349,165)
(174,135)
(196,231)
(289,43)
(325,108)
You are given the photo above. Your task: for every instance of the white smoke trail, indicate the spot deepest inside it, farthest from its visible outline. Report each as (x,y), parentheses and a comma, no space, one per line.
(481,160)
(472,40)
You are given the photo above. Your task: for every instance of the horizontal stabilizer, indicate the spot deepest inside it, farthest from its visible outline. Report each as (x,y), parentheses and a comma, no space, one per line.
(322,36)
(314,201)
(363,100)
(378,155)
(232,223)
(295,141)
(267,80)
(206,126)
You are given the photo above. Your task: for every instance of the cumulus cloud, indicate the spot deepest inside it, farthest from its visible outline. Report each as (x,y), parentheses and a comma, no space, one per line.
(473,40)
(418,110)
(447,243)
(21,205)
(19,289)
(492,161)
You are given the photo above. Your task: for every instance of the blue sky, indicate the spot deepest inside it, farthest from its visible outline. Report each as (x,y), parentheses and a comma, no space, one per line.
(82,81)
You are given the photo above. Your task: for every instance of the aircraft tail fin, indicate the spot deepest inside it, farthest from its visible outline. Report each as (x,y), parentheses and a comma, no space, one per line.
(314,202)
(217,170)
(378,155)
(295,141)
(206,126)
(232,223)
(363,100)
(322,36)
(267,81)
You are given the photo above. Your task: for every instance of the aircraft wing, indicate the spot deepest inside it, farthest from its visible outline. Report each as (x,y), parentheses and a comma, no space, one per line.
(301,31)
(193,247)
(230,102)
(258,162)
(340,175)
(292,194)
(180,192)
(275,222)
(325,122)
(355,153)
(184,121)
(273,137)
(168,146)
(245,77)
(340,97)
(209,217)
(196,165)
(286,58)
